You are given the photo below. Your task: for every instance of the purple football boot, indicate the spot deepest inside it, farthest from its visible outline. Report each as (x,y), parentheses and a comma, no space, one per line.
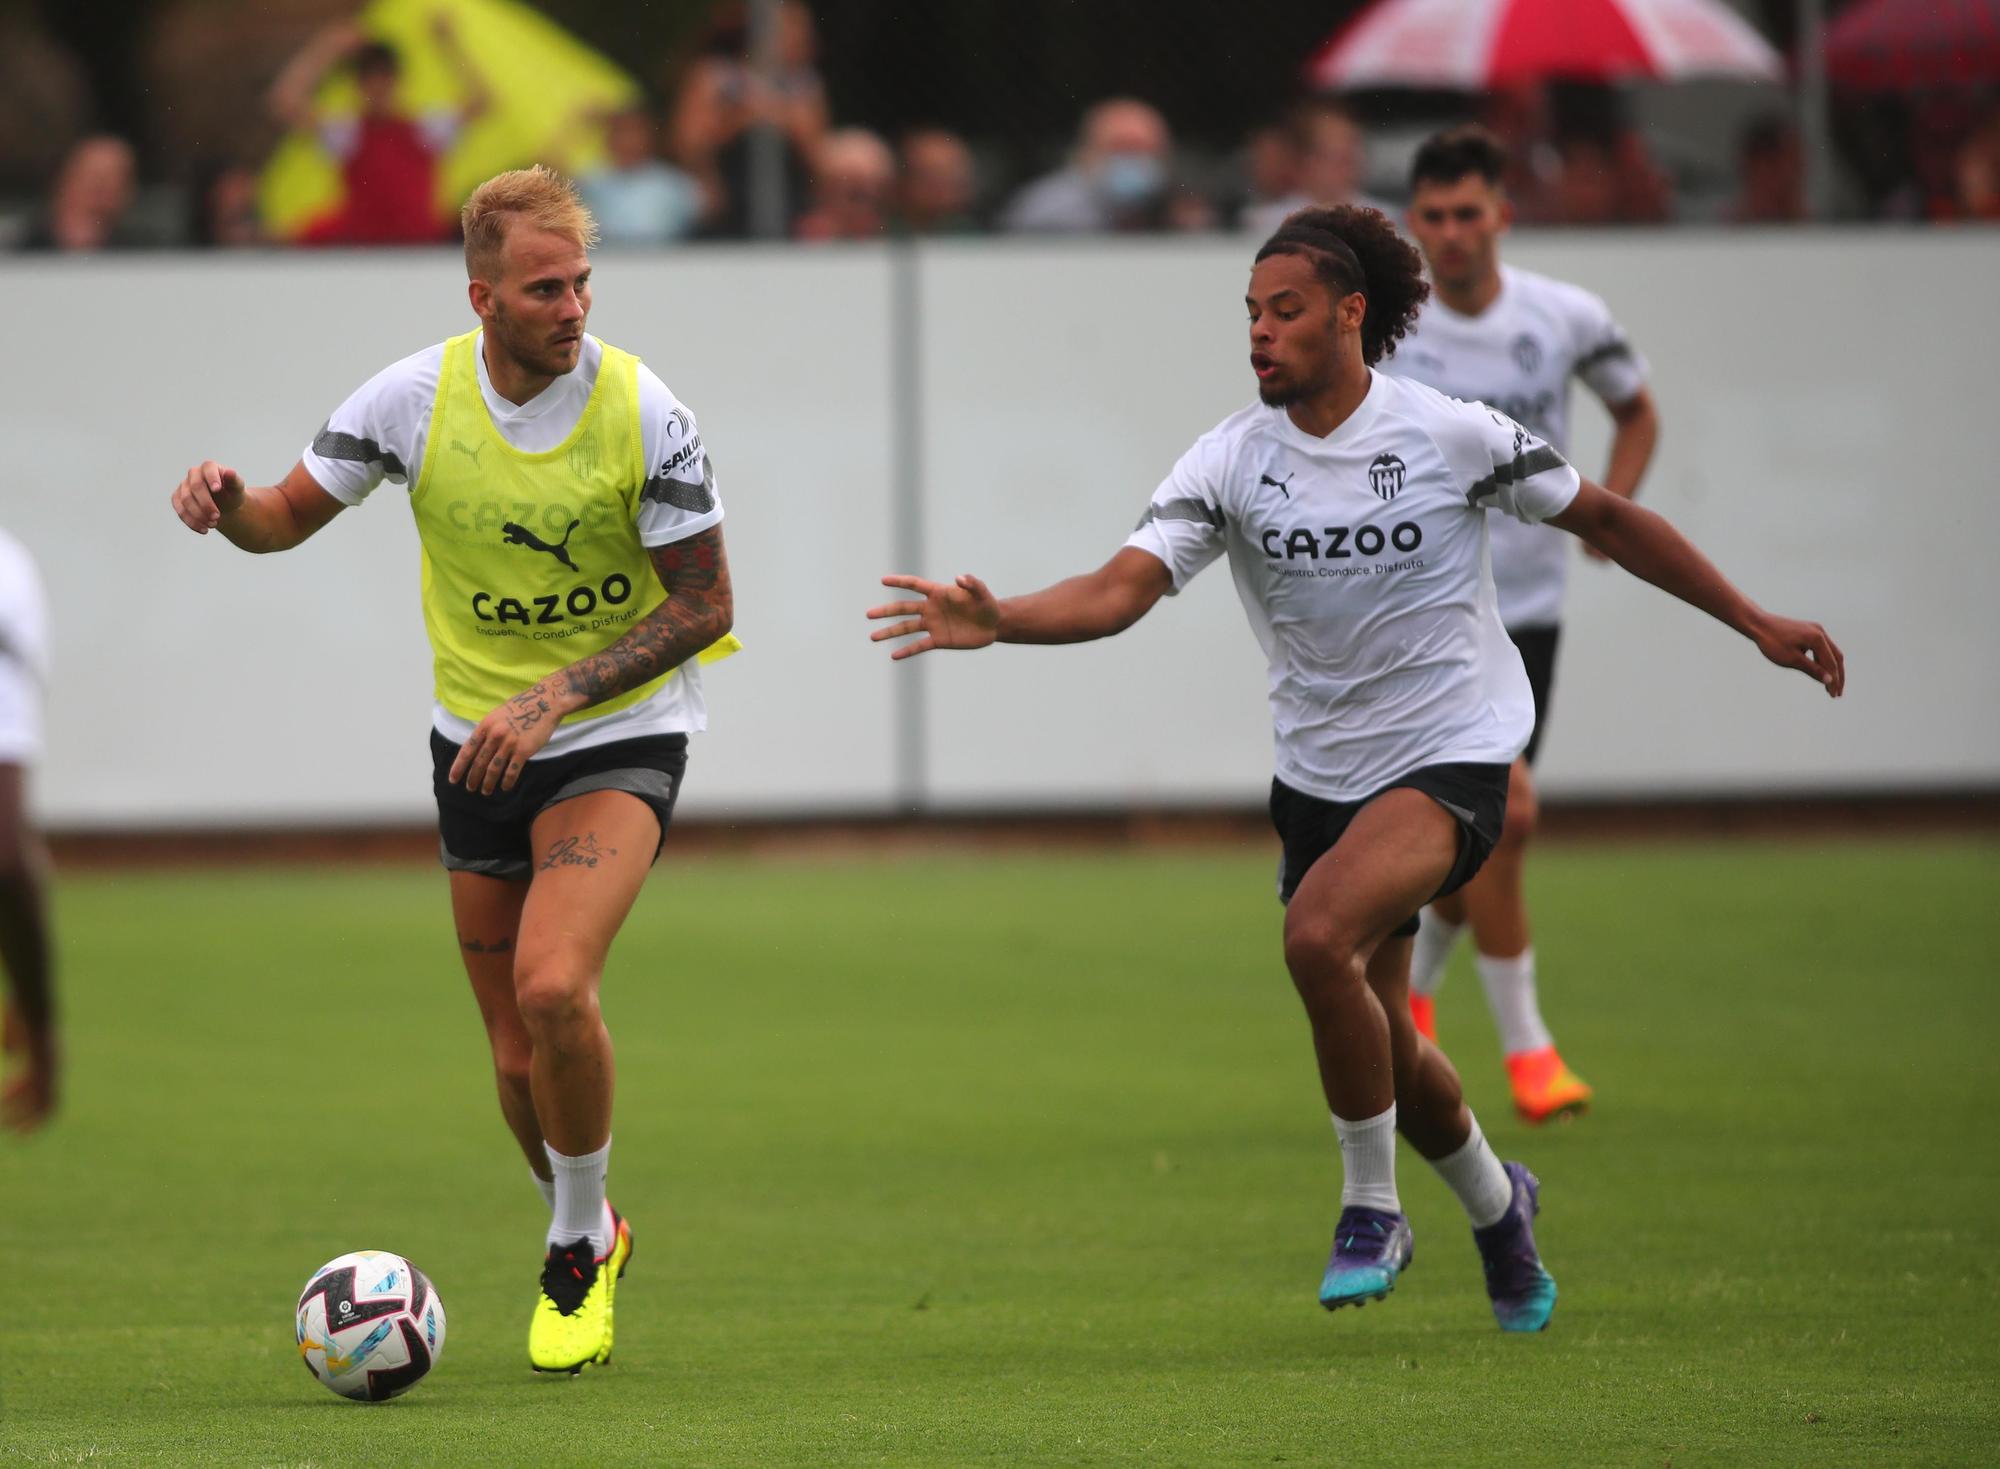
(1371,1247)
(1523,1293)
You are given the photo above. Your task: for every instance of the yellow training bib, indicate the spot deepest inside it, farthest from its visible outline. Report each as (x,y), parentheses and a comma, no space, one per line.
(531,561)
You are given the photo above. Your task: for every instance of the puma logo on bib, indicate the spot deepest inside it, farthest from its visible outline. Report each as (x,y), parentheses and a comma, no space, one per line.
(520,535)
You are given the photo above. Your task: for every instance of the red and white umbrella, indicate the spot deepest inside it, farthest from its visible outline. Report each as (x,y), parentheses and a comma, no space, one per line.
(1475,45)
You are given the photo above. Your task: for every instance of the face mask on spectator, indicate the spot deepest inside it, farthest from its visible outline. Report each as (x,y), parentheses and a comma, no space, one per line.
(1129,179)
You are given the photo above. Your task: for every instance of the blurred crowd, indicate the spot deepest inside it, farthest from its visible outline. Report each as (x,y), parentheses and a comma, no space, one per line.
(741,149)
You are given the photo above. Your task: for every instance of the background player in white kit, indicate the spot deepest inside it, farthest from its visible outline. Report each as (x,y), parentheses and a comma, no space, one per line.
(1351,506)
(1513,340)
(28,1017)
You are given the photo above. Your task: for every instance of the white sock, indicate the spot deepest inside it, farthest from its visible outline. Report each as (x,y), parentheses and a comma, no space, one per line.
(580,1207)
(1431,951)
(1510,994)
(1368,1161)
(546,1185)
(1475,1175)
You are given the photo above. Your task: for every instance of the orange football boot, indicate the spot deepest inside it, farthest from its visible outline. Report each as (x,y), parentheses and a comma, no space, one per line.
(1423,1010)
(1544,1087)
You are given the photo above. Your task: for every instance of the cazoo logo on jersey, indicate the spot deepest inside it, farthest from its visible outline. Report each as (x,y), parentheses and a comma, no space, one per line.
(1340,542)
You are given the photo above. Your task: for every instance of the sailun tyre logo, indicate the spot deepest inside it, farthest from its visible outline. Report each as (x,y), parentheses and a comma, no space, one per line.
(1385,476)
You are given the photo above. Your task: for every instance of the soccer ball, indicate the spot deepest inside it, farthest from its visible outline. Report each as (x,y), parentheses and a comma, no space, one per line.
(370,1325)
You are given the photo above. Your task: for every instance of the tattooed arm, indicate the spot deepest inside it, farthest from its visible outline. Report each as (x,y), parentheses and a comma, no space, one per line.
(699,609)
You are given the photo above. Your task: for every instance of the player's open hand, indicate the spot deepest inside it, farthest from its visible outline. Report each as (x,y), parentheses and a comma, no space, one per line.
(1805,646)
(494,755)
(209,492)
(28,1096)
(960,614)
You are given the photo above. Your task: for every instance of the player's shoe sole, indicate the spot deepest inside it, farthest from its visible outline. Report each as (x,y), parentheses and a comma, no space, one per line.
(1371,1249)
(1544,1088)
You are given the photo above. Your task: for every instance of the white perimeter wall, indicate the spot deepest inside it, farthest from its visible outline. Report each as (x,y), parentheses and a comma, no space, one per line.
(1832,431)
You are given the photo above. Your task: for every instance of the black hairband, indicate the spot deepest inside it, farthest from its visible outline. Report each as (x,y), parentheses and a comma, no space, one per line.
(1327,240)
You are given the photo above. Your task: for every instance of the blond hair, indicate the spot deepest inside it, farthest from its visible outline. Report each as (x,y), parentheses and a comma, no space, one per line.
(544,197)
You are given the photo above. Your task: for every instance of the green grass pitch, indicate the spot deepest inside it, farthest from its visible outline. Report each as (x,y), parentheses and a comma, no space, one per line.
(1020,1159)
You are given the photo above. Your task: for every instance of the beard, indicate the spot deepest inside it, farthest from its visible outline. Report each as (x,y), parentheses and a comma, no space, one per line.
(531,351)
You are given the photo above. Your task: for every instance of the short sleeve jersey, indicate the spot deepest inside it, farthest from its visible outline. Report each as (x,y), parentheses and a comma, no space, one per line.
(24,654)
(1519,355)
(379,434)
(1361,560)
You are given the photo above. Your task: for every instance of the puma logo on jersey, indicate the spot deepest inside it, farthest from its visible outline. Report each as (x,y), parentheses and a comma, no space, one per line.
(1278,484)
(471,453)
(520,535)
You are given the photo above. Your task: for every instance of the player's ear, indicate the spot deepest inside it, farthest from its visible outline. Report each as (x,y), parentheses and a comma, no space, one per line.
(480,294)
(1506,214)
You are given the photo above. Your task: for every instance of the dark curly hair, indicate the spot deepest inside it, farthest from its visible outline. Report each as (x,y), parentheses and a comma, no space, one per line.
(1352,248)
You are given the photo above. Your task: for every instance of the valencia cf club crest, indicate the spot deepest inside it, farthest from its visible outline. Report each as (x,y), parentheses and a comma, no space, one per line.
(1527,354)
(1385,476)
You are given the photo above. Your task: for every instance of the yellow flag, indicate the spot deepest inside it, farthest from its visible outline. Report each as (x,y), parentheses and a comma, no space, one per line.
(541,78)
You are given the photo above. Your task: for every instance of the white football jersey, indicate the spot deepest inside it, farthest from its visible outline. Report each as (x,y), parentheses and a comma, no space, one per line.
(1361,559)
(1518,355)
(380,431)
(24,653)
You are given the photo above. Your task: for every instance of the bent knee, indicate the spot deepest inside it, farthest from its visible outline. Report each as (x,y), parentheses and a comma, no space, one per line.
(553,996)
(1524,814)
(1319,952)
(511,1068)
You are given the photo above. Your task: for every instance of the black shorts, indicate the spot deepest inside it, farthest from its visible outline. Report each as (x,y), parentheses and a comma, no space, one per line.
(1475,795)
(1538,656)
(490,834)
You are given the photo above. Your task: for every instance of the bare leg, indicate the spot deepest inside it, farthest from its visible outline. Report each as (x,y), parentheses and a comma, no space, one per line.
(487,914)
(1393,856)
(1495,901)
(1430,1104)
(592,854)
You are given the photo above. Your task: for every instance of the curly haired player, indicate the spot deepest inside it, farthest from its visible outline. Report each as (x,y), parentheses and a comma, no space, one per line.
(1352,506)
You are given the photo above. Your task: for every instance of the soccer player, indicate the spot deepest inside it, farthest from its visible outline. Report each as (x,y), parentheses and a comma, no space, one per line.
(28,1017)
(1513,340)
(573,570)
(1353,508)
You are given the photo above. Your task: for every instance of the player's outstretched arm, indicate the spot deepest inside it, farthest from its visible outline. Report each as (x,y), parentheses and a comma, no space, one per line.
(965,614)
(271,518)
(699,610)
(1650,548)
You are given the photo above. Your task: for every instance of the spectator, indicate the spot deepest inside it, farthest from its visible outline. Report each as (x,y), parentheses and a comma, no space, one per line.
(1332,162)
(90,206)
(637,197)
(1978,169)
(1271,168)
(224,208)
(388,160)
(1606,181)
(726,104)
(1518,118)
(1771,184)
(1118,179)
(936,193)
(854,179)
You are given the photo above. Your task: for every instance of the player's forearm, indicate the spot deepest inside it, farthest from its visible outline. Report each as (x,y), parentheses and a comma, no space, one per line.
(1078,610)
(1648,546)
(658,643)
(264,521)
(1632,444)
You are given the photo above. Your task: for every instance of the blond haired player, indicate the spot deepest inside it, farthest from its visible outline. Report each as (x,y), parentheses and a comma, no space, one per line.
(573,574)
